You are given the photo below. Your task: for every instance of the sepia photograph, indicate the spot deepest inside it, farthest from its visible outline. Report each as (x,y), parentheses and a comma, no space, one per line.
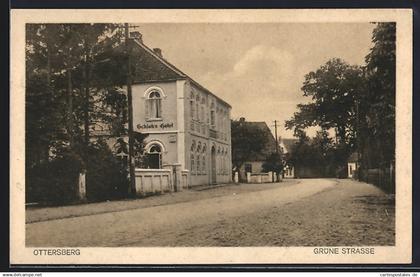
(213,135)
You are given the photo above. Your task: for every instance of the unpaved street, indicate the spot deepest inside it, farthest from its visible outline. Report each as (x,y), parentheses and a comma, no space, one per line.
(308,212)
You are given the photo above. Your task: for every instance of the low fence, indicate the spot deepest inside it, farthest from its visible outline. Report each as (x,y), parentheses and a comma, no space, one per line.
(155,181)
(151,181)
(268,177)
(261,178)
(380,177)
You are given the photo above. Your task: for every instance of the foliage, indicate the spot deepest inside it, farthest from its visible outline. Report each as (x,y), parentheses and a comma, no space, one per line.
(318,153)
(140,158)
(53,182)
(333,88)
(107,177)
(273,163)
(357,102)
(247,141)
(377,128)
(63,94)
(73,77)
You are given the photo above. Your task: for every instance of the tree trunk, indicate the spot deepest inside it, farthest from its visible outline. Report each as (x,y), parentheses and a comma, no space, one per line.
(70,123)
(86,104)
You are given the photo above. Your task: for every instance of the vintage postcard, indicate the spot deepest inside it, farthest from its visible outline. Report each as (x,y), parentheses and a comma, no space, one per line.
(211,136)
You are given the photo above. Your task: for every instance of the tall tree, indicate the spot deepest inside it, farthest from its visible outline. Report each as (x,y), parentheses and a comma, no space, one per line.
(378,135)
(333,89)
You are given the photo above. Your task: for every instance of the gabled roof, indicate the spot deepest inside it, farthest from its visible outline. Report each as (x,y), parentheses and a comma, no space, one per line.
(289,143)
(151,67)
(269,147)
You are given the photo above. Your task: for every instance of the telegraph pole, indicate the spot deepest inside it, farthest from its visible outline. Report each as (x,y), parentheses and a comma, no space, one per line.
(277,141)
(132,188)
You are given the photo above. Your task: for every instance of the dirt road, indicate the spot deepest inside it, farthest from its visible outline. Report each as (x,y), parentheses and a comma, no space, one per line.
(310,212)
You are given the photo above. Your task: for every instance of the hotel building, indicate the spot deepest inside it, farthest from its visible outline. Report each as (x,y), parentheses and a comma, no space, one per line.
(187,125)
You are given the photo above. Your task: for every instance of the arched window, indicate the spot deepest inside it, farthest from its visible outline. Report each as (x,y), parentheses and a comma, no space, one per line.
(192,164)
(154,156)
(198,164)
(154,105)
(219,161)
(204,164)
(226,162)
(223,162)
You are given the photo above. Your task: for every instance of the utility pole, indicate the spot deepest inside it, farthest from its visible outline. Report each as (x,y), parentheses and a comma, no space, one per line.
(132,188)
(277,141)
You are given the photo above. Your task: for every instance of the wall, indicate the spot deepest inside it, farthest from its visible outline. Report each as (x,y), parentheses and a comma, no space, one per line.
(201,136)
(162,131)
(189,132)
(169,111)
(351,167)
(152,181)
(256,168)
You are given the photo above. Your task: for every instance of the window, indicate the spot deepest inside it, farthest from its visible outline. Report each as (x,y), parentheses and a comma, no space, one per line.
(154,156)
(248,167)
(224,162)
(192,109)
(204,164)
(212,115)
(154,105)
(192,164)
(212,118)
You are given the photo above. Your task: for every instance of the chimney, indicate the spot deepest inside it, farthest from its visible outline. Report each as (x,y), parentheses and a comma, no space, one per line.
(137,36)
(158,52)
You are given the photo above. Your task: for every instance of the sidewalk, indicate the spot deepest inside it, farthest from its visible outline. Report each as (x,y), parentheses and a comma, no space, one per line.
(50,213)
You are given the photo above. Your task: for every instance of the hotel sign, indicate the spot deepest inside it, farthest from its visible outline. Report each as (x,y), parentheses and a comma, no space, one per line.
(155,126)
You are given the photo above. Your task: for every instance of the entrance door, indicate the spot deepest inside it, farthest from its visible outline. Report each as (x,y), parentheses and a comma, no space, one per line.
(213,165)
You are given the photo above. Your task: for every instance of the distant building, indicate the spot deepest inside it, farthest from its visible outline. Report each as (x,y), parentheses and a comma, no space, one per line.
(352,164)
(255,162)
(286,146)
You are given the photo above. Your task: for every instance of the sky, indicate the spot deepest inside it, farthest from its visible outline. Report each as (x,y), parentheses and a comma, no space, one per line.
(258,68)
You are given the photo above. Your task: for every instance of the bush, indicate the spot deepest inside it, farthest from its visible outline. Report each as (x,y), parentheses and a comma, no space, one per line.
(54,182)
(341,172)
(106,176)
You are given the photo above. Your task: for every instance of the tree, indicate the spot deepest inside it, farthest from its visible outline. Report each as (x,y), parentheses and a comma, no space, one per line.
(377,135)
(247,141)
(273,163)
(319,154)
(72,83)
(335,89)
